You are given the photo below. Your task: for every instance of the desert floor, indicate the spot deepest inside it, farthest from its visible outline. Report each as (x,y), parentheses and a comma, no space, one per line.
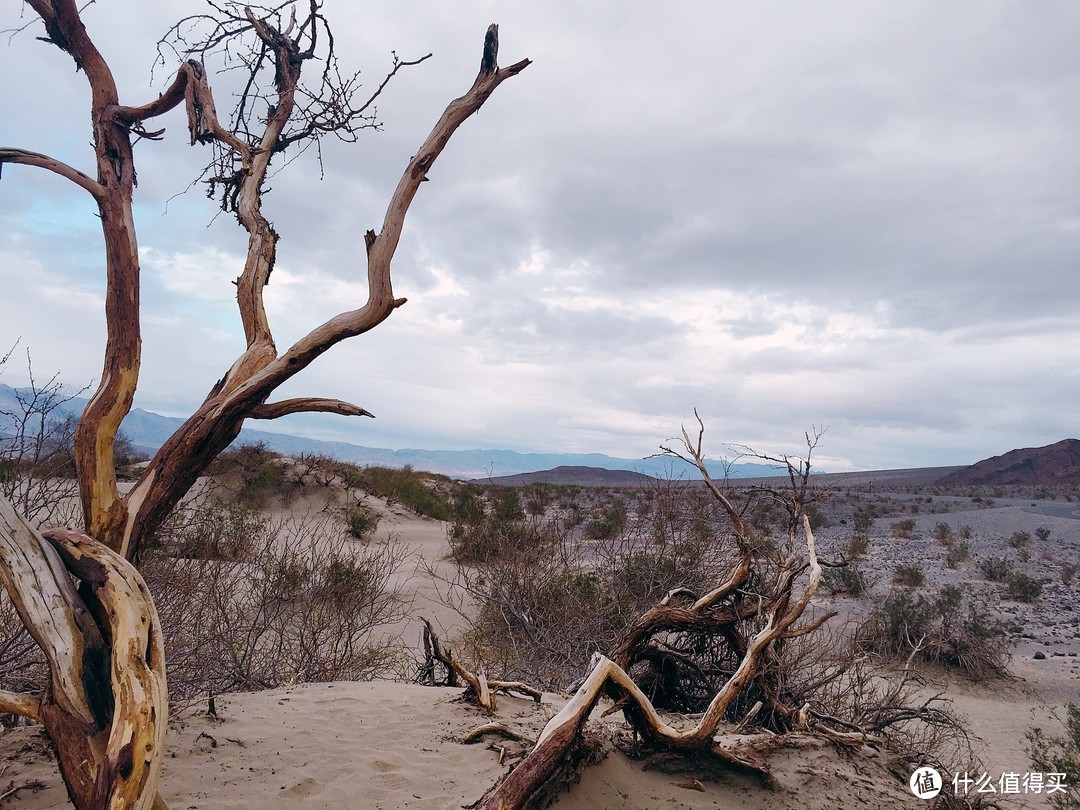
(396,745)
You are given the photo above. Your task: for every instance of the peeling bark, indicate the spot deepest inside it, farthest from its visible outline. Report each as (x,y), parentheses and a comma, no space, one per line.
(106,707)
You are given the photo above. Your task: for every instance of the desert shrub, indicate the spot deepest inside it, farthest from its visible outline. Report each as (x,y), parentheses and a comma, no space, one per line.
(909,576)
(1068,573)
(253,472)
(37,457)
(1042,533)
(361,521)
(549,597)
(610,519)
(538,499)
(22,664)
(1019,540)
(902,529)
(1059,755)
(413,490)
(966,532)
(857,546)
(506,504)
(483,541)
(995,569)
(847,580)
(1024,588)
(307,606)
(214,529)
(957,553)
(863,519)
(818,519)
(942,532)
(936,631)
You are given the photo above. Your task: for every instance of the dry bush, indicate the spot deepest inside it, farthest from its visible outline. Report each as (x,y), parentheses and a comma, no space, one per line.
(936,631)
(300,602)
(22,664)
(549,594)
(902,529)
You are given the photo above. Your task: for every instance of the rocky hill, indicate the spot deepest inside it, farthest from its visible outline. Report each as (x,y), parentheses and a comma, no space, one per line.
(1056,464)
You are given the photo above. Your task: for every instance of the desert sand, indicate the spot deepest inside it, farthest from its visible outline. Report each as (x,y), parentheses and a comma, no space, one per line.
(398,745)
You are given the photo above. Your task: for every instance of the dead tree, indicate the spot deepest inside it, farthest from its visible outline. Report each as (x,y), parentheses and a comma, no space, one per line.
(721,612)
(106,705)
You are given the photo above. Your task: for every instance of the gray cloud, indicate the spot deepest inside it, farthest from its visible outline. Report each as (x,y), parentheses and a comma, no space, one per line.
(855,214)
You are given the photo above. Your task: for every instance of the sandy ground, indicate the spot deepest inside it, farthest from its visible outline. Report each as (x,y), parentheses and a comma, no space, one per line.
(395,745)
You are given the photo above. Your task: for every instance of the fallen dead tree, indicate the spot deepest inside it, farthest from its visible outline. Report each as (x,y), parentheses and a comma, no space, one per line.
(479,688)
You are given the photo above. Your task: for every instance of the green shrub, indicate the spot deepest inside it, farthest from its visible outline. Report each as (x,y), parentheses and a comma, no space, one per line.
(1043,533)
(848,580)
(609,521)
(957,553)
(254,472)
(995,569)
(937,631)
(1023,588)
(909,576)
(408,488)
(1059,755)
(361,521)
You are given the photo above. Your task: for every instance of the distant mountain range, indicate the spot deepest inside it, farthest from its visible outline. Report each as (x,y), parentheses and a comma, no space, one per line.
(1053,465)
(148,431)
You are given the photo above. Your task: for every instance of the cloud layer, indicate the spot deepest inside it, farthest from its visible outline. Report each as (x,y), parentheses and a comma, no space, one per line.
(859,215)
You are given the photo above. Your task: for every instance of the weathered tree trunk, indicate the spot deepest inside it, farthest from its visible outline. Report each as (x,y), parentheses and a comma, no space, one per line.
(106,708)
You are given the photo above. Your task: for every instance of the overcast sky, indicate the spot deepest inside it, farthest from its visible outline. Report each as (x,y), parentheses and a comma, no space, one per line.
(859,215)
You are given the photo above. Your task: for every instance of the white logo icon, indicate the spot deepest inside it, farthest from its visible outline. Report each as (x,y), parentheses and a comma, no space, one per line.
(925,783)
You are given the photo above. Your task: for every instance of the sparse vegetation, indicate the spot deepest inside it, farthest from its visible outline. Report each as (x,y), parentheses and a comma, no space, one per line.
(362,521)
(957,553)
(936,631)
(298,604)
(902,529)
(1051,754)
(996,569)
(942,532)
(847,580)
(419,492)
(909,576)
(1024,588)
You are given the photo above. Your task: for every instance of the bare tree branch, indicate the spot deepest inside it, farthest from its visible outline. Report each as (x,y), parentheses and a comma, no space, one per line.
(275,410)
(27,158)
(20,704)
